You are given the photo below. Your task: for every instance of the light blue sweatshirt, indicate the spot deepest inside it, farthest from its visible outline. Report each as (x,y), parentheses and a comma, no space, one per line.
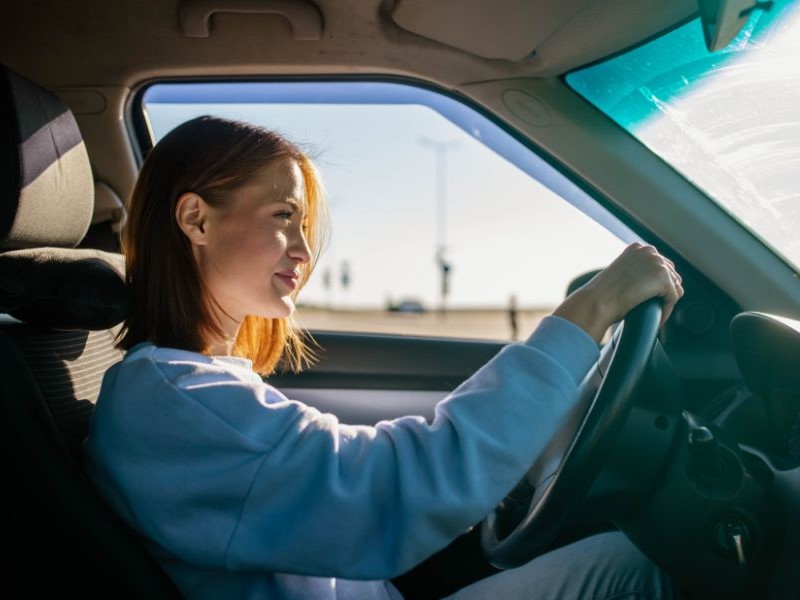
(243,493)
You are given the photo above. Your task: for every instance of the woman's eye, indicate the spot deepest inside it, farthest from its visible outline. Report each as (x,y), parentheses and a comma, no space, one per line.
(285,214)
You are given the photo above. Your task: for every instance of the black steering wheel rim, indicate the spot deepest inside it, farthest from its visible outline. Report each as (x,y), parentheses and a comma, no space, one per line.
(550,510)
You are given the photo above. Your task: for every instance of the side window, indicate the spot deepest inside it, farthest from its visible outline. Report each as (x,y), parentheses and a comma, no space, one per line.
(442,223)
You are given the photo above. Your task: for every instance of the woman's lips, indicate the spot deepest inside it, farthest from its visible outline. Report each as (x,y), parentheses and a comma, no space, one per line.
(290,280)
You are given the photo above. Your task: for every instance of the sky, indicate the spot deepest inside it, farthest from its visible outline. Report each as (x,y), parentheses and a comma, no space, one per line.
(506,234)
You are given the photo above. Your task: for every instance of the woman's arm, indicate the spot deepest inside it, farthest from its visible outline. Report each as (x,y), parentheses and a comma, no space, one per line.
(282,487)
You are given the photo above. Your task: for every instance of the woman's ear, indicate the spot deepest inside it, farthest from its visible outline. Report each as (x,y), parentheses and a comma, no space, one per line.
(191,213)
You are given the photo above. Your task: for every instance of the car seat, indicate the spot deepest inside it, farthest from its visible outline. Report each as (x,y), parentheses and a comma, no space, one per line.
(61,308)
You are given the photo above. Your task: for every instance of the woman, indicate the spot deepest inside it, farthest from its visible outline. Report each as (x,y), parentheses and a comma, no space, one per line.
(241,492)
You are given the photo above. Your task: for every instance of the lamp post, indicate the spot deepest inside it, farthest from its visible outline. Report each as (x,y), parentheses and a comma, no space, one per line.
(441,149)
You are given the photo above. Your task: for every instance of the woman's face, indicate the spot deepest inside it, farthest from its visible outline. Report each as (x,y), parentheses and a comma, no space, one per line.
(255,247)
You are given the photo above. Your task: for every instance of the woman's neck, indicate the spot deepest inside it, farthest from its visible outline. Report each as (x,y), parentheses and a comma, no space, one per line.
(222,347)
(224,344)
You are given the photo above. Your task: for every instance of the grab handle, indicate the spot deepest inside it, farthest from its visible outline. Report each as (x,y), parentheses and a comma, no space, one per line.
(305,17)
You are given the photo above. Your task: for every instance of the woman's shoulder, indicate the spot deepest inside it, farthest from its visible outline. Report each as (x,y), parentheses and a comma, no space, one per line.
(165,380)
(178,365)
(173,385)
(149,351)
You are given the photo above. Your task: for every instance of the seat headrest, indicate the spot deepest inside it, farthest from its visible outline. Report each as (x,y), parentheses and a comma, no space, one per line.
(62,288)
(46,183)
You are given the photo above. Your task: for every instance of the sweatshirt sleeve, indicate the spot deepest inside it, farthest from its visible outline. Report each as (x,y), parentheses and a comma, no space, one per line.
(360,502)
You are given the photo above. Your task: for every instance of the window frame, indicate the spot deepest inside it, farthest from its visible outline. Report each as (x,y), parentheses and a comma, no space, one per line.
(142,143)
(601,210)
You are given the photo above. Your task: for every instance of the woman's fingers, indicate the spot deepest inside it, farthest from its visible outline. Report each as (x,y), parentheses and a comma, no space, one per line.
(673,293)
(637,274)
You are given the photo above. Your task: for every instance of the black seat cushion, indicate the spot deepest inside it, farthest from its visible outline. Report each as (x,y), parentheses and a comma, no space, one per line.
(69,368)
(61,288)
(60,533)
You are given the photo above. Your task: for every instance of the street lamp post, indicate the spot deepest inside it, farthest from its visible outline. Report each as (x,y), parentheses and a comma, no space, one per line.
(441,149)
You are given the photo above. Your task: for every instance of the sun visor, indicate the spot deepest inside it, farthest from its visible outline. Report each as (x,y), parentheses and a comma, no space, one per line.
(553,35)
(480,27)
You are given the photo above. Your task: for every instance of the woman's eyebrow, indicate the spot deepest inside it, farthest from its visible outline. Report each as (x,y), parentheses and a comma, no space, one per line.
(294,203)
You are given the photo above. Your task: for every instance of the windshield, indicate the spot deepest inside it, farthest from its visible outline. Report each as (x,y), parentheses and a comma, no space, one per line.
(729,121)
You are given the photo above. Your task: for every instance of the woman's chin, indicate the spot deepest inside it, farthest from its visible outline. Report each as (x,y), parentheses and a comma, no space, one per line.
(276,310)
(285,308)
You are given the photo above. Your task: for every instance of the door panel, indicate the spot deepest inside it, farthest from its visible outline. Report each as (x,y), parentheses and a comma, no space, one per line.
(365,378)
(367,407)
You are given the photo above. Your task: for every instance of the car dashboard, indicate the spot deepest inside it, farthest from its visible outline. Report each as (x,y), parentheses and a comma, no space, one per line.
(722,513)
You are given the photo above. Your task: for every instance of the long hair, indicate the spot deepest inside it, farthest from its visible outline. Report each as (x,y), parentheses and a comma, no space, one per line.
(172,305)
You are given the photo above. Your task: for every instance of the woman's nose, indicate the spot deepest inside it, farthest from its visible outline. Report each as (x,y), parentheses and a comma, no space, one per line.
(299,248)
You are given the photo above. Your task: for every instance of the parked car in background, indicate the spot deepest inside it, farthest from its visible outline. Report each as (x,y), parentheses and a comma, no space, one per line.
(408,306)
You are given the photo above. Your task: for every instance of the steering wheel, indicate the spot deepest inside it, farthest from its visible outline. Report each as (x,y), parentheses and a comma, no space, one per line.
(520,527)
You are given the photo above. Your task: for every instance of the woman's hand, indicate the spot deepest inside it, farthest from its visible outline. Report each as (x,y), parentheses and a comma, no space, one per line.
(639,273)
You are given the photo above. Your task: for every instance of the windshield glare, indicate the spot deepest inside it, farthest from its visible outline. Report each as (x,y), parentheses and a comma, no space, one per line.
(729,121)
